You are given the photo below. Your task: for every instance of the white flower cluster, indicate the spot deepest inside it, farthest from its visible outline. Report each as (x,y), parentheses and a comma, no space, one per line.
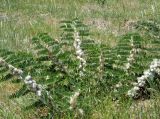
(153,8)
(141,81)
(33,85)
(27,80)
(81,112)
(73,104)
(101,66)
(14,71)
(17,72)
(73,100)
(131,57)
(79,53)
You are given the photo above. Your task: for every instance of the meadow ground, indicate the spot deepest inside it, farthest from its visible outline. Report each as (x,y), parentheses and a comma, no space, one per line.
(20,20)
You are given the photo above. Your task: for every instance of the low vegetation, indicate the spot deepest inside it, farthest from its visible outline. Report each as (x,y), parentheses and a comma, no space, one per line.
(74,73)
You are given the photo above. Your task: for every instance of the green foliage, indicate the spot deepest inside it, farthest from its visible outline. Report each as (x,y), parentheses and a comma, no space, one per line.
(102,2)
(151,28)
(54,64)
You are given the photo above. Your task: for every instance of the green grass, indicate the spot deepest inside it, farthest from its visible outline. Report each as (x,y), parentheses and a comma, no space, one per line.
(148,109)
(22,19)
